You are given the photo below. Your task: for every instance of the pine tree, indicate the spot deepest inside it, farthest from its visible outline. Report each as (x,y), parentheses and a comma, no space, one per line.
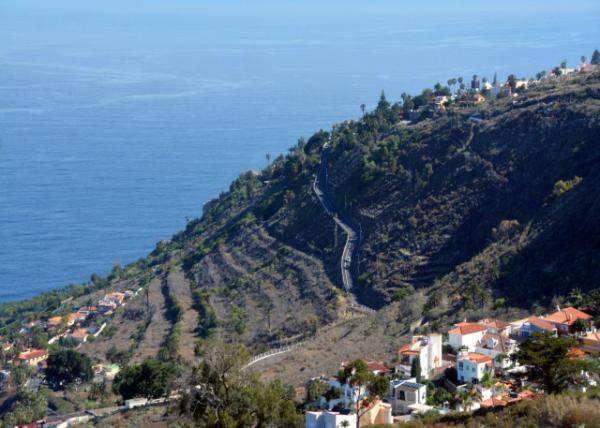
(595,57)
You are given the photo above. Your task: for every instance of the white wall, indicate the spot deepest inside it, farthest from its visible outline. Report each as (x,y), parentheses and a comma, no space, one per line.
(469,371)
(469,340)
(333,420)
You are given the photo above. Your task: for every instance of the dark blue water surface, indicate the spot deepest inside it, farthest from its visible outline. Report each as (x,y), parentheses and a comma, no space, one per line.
(118,119)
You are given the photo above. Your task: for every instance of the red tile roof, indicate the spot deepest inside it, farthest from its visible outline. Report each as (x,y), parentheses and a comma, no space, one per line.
(377,366)
(33,354)
(567,316)
(467,328)
(497,324)
(477,358)
(493,402)
(80,332)
(54,321)
(541,323)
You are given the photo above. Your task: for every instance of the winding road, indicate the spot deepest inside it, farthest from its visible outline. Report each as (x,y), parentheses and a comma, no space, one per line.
(349,260)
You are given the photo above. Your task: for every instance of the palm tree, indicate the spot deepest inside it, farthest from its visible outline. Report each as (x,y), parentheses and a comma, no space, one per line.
(466,397)
(363,108)
(583,58)
(344,424)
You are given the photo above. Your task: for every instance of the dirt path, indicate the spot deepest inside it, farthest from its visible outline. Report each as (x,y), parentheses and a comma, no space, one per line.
(180,287)
(159,326)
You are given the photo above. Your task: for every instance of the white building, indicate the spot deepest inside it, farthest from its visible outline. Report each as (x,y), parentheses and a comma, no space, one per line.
(349,395)
(428,349)
(492,345)
(406,393)
(471,366)
(327,419)
(466,335)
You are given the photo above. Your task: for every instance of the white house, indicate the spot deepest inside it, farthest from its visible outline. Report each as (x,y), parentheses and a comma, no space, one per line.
(327,419)
(466,335)
(471,366)
(492,345)
(428,349)
(498,89)
(348,394)
(406,393)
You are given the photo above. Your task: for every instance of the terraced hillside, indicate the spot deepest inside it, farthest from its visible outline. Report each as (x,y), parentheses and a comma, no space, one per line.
(486,209)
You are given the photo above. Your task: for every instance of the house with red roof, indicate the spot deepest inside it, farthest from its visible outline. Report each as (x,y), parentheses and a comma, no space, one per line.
(115,297)
(33,356)
(54,322)
(563,319)
(535,324)
(466,335)
(471,366)
(427,349)
(378,367)
(80,335)
(493,345)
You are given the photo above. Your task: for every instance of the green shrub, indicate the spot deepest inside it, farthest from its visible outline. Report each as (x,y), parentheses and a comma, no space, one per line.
(563,186)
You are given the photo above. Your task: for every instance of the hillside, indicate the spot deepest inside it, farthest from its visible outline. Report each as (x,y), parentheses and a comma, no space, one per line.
(475,209)
(489,208)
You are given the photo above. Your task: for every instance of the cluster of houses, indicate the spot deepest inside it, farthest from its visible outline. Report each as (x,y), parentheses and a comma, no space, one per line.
(481,90)
(475,358)
(79,326)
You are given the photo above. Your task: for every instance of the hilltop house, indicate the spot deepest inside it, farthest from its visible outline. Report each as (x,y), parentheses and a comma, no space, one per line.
(428,349)
(466,335)
(406,393)
(33,356)
(471,366)
(472,99)
(563,319)
(588,68)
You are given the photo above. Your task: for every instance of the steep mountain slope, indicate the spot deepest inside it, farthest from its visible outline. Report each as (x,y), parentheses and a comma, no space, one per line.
(484,209)
(477,208)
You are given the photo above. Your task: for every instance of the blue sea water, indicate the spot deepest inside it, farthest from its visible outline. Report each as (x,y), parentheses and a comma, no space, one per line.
(119,119)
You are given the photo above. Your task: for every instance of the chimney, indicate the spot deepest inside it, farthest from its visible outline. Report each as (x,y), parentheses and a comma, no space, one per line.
(558,307)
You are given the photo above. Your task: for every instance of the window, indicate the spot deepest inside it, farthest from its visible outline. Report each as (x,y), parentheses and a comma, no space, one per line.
(460,365)
(401,395)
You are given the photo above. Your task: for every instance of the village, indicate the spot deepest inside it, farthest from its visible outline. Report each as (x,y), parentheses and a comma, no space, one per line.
(479,90)
(472,366)
(84,323)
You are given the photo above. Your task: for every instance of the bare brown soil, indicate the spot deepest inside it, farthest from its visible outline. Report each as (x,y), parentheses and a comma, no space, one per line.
(180,287)
(159,325)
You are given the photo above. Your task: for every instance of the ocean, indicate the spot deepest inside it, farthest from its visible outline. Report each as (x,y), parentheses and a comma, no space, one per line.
(119,119)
